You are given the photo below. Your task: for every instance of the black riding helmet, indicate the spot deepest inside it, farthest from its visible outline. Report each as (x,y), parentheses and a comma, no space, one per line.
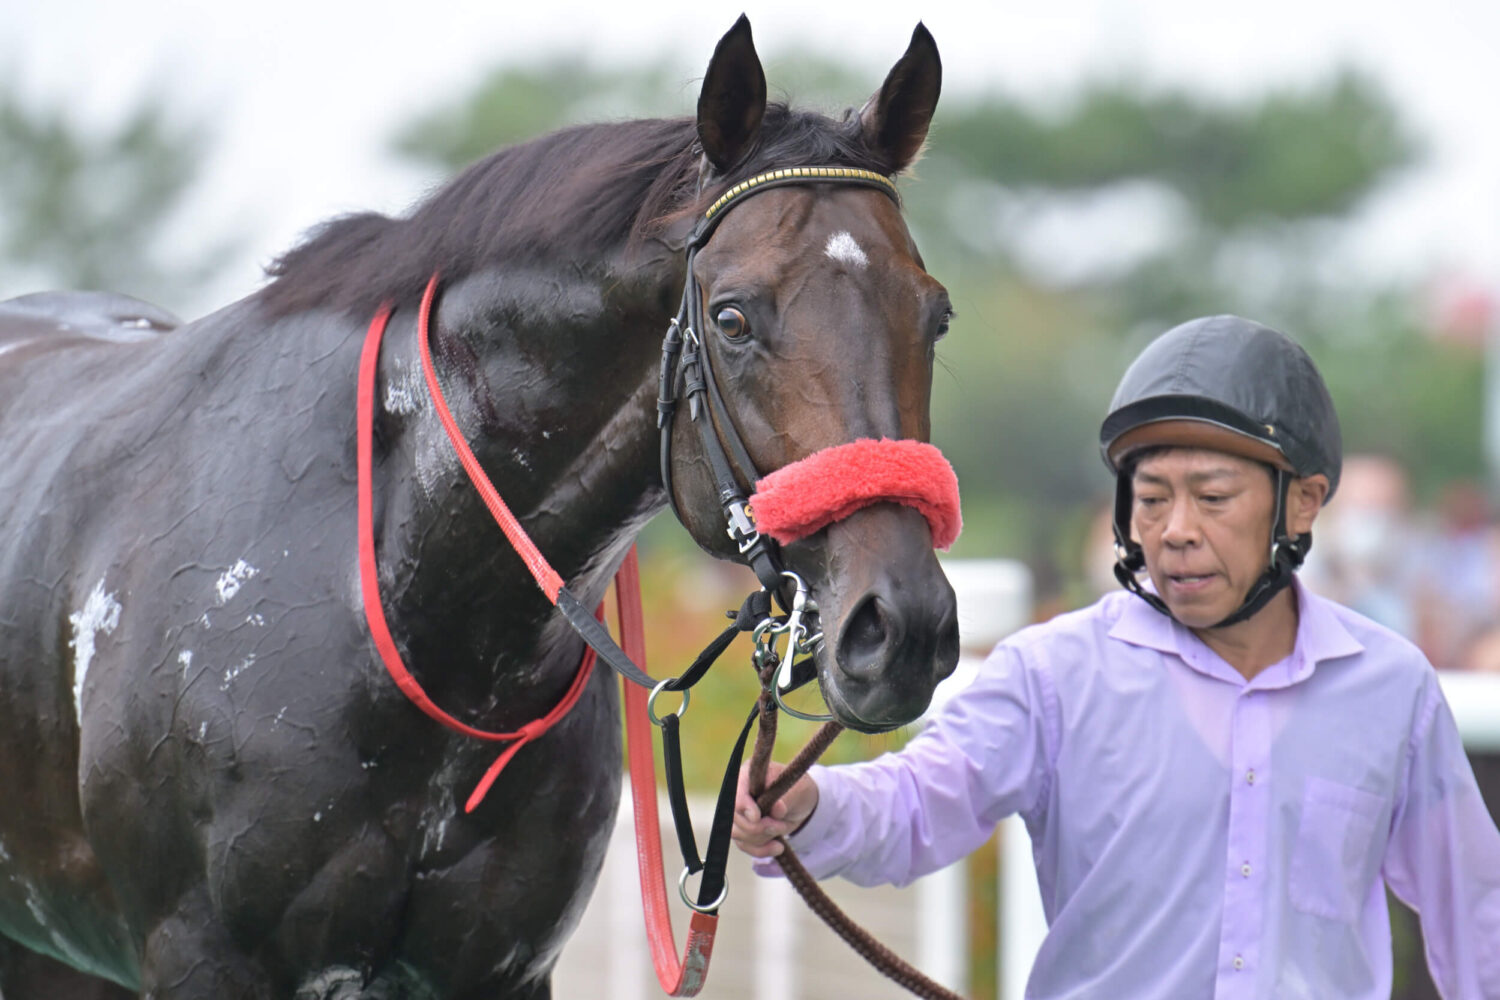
(1230,385)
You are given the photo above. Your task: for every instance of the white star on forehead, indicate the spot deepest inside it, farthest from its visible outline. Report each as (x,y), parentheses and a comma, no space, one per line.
(842,247)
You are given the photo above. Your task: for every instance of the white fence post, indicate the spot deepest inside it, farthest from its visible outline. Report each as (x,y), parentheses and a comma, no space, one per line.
(943,927)
(628,962)
(775,944)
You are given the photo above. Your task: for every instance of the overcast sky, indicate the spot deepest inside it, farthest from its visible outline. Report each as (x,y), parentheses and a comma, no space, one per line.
(305,94)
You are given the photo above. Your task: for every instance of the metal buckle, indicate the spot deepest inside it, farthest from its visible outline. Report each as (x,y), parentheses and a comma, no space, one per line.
(711,908)
(656,720)
(798,643)
(742,530)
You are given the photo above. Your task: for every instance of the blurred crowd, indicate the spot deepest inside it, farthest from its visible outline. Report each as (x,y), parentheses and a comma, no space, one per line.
(1430,572)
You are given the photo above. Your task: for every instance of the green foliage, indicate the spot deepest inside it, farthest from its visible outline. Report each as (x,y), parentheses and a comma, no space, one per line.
(79,209)
(518,103)
(1401,394)
(1288,155)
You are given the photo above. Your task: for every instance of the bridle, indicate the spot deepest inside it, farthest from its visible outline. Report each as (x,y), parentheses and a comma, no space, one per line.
(687,373)
(685,364)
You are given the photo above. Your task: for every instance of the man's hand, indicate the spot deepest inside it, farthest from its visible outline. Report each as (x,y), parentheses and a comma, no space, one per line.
(757,835)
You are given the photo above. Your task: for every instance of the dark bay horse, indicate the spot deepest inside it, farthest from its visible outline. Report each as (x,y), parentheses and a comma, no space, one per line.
(210,788)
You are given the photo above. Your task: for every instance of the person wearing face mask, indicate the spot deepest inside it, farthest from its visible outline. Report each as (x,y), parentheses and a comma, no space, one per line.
(1363,559)
(1221,772)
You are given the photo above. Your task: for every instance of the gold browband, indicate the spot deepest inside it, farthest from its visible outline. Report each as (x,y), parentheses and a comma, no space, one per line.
(801,173)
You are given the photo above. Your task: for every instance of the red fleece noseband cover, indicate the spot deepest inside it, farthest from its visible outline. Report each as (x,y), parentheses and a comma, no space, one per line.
(829,485)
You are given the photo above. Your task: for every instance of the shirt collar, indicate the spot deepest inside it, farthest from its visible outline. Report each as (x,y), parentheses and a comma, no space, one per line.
(1321,637)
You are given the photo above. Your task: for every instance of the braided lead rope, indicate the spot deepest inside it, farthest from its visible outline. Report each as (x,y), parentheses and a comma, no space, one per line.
(885,961)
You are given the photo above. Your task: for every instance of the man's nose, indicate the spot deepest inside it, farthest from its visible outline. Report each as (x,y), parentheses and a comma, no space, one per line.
(1182,526)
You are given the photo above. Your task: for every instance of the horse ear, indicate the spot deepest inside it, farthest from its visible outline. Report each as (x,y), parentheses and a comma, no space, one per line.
(733,100)
(895,120)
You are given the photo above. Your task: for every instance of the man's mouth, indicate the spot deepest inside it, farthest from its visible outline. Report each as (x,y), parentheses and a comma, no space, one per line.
(1189,580)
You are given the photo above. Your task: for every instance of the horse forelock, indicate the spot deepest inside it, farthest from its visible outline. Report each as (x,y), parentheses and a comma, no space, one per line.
(580,193)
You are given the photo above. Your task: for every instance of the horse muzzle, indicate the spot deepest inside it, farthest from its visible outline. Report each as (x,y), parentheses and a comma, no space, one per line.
(859,522)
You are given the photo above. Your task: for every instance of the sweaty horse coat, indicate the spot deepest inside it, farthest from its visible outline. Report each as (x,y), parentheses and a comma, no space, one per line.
(212,787)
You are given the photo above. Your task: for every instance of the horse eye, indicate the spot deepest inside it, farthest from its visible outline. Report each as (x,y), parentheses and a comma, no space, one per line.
(943,324)
(732,323)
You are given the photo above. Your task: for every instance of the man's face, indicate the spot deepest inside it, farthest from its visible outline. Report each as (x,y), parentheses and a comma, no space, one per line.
(1203,519)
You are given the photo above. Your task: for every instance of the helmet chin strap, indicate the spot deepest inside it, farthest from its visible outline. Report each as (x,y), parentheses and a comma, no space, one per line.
(1286,554)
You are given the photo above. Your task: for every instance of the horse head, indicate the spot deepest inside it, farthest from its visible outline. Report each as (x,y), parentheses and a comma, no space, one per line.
(818,323)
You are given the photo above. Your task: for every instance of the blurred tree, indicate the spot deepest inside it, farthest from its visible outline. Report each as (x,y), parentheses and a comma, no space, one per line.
(85,210)
(1086,228)
(516,103)
(1070,234)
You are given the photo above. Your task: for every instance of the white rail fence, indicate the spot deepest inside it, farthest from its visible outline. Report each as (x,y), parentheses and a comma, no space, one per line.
(771,945)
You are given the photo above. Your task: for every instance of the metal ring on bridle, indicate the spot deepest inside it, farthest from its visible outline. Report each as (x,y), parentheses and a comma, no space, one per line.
(656,720)
(711,908)
(794,713)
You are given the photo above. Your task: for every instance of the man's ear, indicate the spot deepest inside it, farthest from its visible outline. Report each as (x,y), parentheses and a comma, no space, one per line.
(1304,498)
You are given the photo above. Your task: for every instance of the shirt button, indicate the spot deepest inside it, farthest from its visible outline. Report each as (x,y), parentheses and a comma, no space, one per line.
(1245,869)
(1239,963)
(1250,777)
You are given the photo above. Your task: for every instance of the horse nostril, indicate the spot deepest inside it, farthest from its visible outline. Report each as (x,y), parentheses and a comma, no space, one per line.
(866,637)
(947,645)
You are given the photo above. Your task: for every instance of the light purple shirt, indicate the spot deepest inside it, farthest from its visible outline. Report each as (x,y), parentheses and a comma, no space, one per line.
(1196,835)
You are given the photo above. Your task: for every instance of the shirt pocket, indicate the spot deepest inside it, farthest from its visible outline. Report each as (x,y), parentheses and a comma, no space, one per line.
(1331,860)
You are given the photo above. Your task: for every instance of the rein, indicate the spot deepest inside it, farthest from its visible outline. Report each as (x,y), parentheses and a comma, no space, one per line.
(907,472)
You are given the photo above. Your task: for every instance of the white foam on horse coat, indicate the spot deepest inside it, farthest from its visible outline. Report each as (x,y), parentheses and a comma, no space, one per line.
(406,392)
(441,806)
(233,672)
(843,248)
(233,579)
(100,613)
(334,981)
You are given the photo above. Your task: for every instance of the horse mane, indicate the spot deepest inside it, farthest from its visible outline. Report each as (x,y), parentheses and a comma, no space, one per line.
(572,195)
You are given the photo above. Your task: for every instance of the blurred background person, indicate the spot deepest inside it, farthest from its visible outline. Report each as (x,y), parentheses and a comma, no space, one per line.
(1361,555)
(1459,587)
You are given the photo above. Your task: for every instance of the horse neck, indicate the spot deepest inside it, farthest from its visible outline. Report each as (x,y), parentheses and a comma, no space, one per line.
(550,375)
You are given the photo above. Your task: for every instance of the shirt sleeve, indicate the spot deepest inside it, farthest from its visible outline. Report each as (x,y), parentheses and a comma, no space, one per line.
(987,755)
(1443,858)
